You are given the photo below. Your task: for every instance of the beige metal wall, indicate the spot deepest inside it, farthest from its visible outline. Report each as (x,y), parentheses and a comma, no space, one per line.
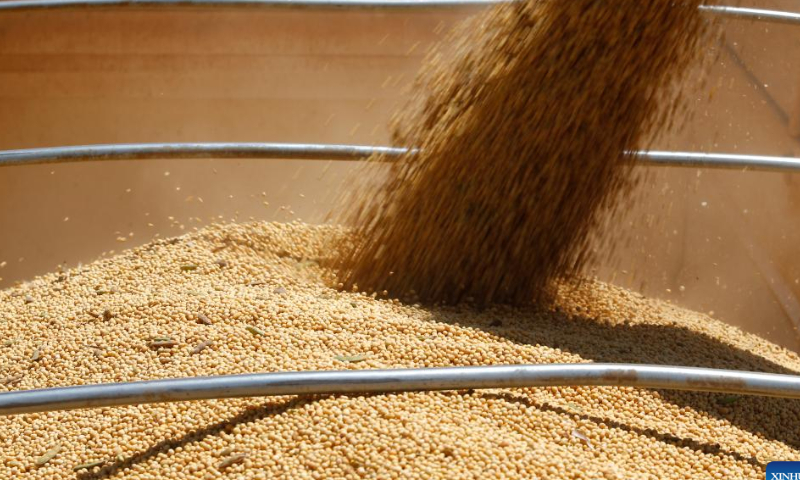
(80,77)
(717,241)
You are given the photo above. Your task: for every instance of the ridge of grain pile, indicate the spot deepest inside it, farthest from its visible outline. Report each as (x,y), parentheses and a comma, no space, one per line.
(266,277)
(522,119)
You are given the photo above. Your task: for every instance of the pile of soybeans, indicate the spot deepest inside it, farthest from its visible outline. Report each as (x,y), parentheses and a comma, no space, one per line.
(252,298)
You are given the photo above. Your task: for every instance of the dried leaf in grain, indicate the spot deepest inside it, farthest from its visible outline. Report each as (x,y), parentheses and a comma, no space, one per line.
(201,346)
(48,455)
(351,358)
(255,330)
(162,344)
(88,465)
(582,437)
(238,458)
(12,380)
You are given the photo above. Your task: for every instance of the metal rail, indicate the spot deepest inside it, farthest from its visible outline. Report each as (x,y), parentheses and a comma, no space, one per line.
(399,380)
(308,151)
(13,5)
(718,160)
(742,13)
(131,151)
(26,5)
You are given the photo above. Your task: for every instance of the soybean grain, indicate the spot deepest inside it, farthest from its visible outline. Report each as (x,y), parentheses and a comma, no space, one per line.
(503,433)
(522,120)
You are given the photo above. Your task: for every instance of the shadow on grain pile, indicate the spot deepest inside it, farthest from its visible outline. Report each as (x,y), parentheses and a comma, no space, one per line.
(584,336)
(247,415)
(254,414)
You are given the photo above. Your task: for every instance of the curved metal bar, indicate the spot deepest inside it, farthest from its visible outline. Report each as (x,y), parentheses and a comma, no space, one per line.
(294,4)
(193,150)
(399,380)
(16,5)
(309,151)
(742,13)
(718,160)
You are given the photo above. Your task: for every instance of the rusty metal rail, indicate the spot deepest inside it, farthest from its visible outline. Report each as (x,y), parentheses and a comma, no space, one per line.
(399,380)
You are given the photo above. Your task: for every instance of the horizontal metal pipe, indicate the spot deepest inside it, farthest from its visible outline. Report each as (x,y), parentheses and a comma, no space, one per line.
(17,5)
(742,13)
(399,380)
(10,5)
(307,151)
(193,150)
(718,160)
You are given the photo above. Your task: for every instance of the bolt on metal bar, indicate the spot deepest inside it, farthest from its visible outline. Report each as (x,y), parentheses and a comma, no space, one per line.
(18,5)
(398,380)
(309,151)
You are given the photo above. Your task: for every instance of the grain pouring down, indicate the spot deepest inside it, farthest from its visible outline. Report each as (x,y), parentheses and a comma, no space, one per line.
(522,121)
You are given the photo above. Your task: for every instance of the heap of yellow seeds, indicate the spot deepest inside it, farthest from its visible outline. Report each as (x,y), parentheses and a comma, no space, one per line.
(252,298)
